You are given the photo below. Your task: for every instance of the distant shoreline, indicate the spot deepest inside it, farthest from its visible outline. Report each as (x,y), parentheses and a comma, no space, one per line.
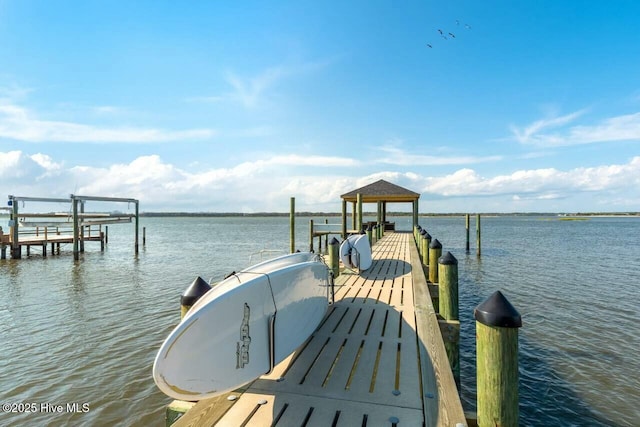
(316,214)
(389,214)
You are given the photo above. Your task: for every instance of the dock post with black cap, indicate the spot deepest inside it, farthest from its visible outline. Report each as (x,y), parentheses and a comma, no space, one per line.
(426,241)
(334,259)
(449,310)
(435,252)
(497,323)
(370,234)
(177,408)
(196,289)
(448,276)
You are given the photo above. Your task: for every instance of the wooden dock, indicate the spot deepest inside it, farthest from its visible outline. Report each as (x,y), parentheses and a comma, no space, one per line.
(378,359)
(51,235)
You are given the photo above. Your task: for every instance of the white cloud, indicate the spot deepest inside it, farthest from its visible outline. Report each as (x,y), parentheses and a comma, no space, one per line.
(266,184)
(16,167)
(14,92)
(312,160)
(20,124)
(249,91)
(542,183)
(397,156)
(530,134)
(620,128)
(254,91)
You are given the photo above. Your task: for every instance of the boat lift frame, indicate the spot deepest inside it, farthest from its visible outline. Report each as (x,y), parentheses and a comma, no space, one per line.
(78,244)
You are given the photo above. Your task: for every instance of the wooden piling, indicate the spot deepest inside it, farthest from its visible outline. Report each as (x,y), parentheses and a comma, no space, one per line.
(354,216)
(175,410)
(106,234)
(310,235)
(344,219)
(449,309)
(44,243)
(359,221)
(478,244)
(466,221)
(3,247)
(292,225)
(16,250)
(435,252)
(370,235)
(144,236)
(334,257)
(448,281)
(497,323)
(81,227)
(425,247)
(379,220)
(326,236)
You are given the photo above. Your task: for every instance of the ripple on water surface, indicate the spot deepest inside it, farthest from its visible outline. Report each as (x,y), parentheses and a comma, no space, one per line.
(88,331)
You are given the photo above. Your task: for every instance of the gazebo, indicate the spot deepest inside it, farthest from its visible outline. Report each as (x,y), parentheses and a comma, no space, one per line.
(380,192)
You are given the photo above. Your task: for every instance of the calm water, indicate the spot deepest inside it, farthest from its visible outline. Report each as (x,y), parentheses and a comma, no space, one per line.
(87,331)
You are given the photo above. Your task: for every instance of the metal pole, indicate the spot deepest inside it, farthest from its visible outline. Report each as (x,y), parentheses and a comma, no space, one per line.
(137,226)
(76,254)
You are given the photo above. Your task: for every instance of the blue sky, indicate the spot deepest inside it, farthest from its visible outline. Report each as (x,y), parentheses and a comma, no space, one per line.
(238,106)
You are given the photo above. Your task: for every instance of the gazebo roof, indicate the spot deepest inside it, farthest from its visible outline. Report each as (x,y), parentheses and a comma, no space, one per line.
(382,191)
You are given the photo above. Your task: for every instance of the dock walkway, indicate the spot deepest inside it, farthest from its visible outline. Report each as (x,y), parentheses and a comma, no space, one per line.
(377,359)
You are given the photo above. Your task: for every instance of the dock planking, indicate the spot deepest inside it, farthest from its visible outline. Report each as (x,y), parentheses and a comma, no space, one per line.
(377,359)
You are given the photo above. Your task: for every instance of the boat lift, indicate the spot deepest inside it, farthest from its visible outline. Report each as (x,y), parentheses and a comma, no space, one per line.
(77,219)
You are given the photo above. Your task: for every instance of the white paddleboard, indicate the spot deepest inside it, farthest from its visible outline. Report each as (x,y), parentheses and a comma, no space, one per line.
(355,252)
(242,327)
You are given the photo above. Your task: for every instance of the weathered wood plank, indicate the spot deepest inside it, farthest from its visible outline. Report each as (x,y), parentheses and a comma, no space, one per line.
(360,365)
(442,406)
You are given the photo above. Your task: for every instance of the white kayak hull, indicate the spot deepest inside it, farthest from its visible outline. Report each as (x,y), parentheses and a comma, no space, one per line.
(355,252)
(242,327)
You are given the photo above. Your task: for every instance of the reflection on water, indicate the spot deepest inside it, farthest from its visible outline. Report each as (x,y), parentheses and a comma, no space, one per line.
(88,330)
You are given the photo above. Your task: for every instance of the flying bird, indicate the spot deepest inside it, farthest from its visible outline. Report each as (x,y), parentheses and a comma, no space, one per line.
(467,26)
(452,35)
(440,31)
(429,45)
